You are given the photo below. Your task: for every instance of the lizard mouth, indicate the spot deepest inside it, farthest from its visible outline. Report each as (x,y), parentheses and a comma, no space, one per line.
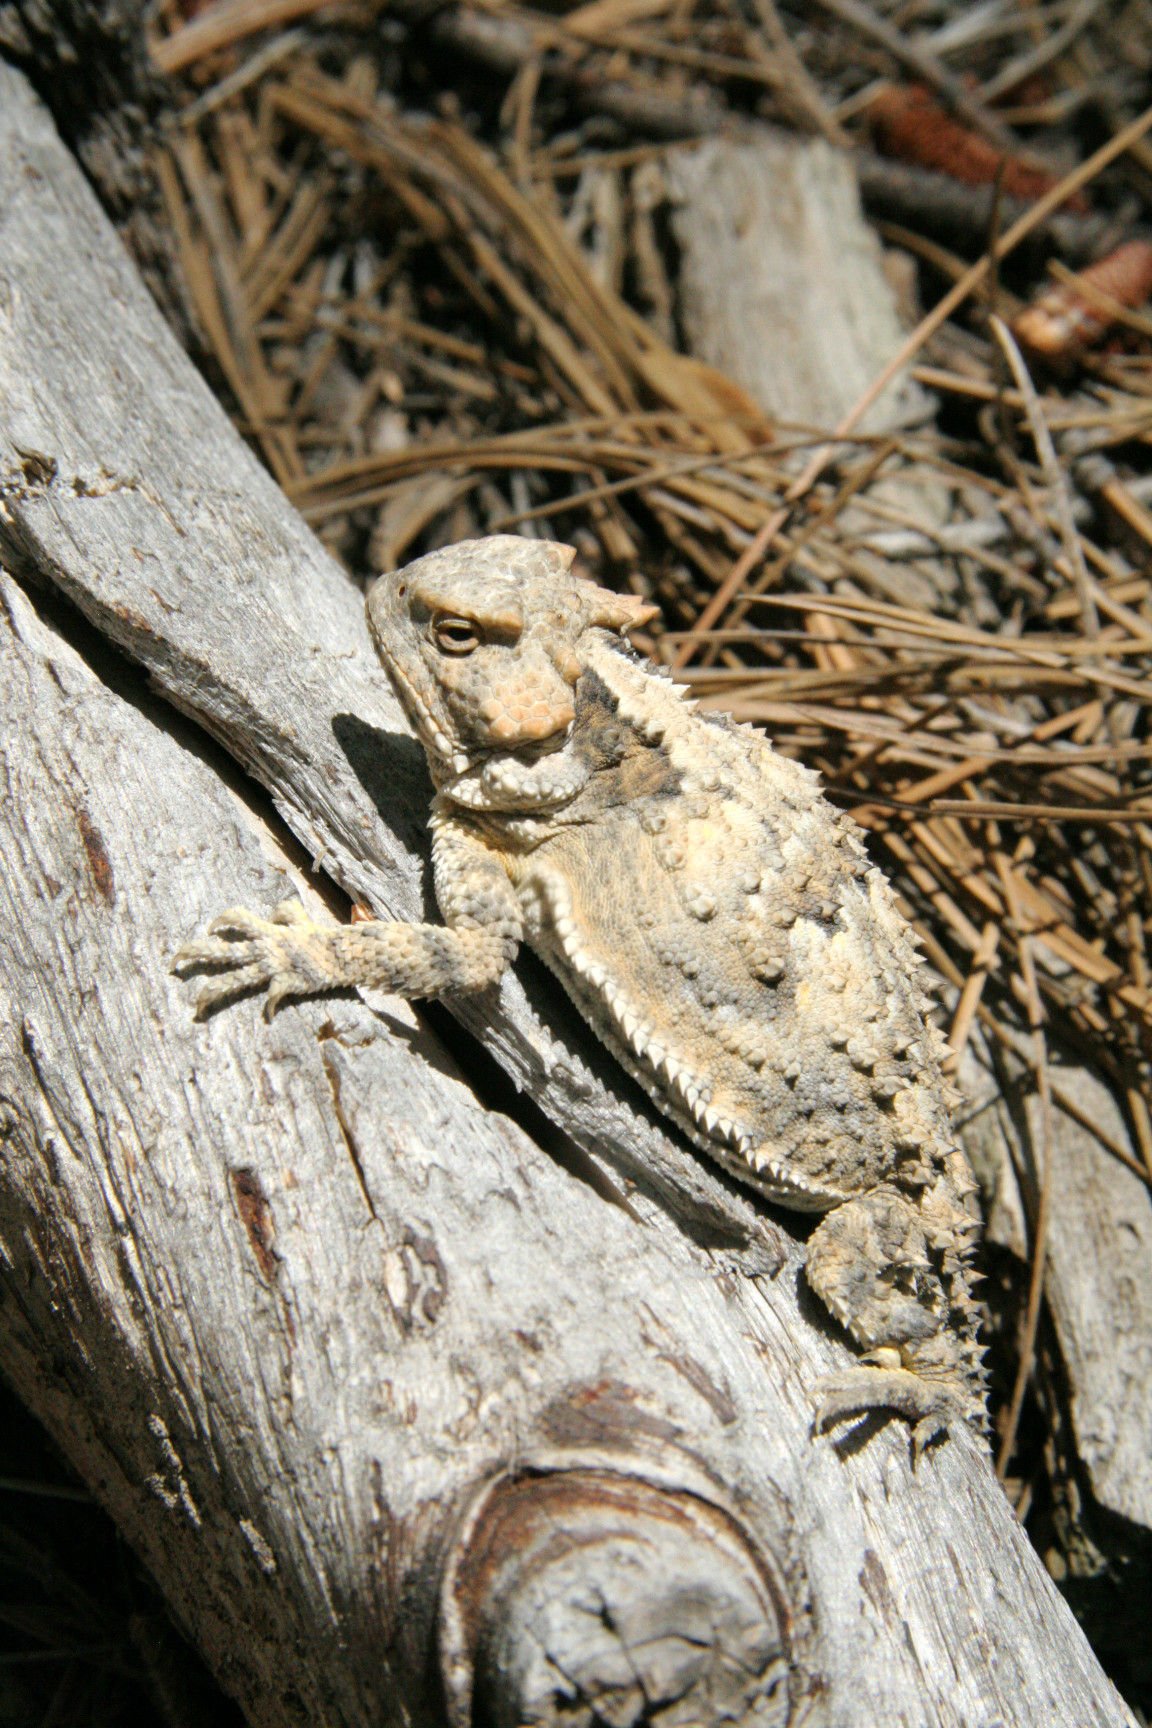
(537,749)
(522,781)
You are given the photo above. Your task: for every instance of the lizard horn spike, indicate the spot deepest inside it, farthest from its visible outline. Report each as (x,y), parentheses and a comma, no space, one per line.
(622,612)
(559,555)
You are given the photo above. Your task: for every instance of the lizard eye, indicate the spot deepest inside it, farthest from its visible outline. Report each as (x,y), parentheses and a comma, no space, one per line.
(455,635)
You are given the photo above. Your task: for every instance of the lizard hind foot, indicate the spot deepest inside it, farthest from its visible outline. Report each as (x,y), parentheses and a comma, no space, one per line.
(932,1409)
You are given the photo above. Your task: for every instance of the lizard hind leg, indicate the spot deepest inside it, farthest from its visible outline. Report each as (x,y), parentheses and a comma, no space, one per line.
(870,1262)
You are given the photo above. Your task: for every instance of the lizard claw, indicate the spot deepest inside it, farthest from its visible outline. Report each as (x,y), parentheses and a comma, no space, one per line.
(930,1407)
(238,922)
(217,991)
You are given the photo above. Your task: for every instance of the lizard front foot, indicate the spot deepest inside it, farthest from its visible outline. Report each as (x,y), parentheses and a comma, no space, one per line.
(284,954)
(882,1385)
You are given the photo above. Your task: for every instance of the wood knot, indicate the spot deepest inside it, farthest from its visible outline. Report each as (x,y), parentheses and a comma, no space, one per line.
(585,1596)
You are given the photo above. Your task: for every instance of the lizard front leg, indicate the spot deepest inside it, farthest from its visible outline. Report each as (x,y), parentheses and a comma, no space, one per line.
(290,954)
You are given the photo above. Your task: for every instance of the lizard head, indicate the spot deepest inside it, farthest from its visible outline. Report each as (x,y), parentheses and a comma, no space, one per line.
(484,644)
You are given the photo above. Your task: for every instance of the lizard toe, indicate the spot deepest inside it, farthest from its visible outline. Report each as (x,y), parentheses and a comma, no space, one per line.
(237,982)
(190,955)
(239,922)
(290,912)
(282,987)
(207,951)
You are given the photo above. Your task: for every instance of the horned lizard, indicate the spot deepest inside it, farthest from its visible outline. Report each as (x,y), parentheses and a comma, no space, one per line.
(713,917)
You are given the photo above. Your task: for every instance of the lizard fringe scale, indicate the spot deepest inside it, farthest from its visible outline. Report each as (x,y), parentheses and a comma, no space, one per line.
(713,917)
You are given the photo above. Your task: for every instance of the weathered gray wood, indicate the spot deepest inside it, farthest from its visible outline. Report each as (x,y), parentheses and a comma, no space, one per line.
(1096,1278)
(1100,1295)
(781,283)
(285,1293)
(782,287)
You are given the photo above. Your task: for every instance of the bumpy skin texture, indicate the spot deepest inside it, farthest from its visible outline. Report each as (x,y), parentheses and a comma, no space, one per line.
(712,916)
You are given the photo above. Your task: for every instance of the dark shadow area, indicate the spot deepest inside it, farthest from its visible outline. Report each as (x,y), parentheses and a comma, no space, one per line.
(857,1432)
(85,1638)
(393,771)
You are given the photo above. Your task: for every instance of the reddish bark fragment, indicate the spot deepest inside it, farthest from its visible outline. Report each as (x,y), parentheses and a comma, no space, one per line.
(908,123)
(1062,322)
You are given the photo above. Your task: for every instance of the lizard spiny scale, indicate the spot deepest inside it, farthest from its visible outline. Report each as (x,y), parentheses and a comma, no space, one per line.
(712,916)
